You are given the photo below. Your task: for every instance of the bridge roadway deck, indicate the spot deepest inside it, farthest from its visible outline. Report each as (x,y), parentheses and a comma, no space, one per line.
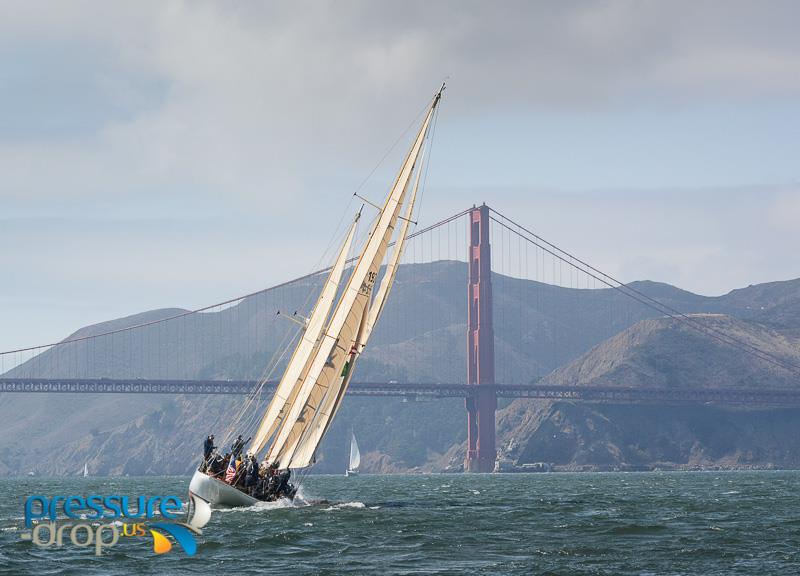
(740,396)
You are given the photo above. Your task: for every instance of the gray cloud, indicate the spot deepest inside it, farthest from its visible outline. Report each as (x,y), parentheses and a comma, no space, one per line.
(256,98)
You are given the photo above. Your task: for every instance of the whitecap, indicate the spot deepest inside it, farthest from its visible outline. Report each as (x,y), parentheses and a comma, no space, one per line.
(262,506)
(344,505)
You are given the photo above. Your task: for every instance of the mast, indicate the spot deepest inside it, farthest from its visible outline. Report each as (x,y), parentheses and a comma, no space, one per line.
(332,361)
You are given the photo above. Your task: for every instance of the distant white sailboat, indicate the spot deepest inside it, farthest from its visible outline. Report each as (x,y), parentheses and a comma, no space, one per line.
(355,457)
(85,469)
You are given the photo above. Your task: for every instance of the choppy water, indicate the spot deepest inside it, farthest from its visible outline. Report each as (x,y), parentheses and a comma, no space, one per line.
(649,523)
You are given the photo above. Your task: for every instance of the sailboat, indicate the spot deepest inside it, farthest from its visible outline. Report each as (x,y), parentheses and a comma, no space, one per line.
(355,457)
(321,367)
(85,469)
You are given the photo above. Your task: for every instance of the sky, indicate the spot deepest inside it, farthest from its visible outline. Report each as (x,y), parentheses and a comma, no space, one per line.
(159,154)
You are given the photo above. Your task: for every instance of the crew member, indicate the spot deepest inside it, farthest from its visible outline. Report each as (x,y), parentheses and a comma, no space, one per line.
(283,488)
(208,449)
(238,446)
(252,472)
(216,466)
(272,482)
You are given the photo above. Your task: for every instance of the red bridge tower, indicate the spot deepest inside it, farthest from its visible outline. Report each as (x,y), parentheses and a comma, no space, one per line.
(481,405)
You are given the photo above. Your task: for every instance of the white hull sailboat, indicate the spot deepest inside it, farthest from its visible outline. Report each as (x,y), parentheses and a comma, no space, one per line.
(85,469)
(355,457)
(318,374)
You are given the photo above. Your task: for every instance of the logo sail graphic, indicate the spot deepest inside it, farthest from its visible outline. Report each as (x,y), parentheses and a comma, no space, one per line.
(198,515)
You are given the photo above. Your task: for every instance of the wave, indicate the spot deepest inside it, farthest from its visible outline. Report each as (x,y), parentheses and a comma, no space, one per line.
(264,506)
(344,505)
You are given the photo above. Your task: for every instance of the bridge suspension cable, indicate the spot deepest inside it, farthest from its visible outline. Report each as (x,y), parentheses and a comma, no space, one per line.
(637,295)
(156,342)
(219,304)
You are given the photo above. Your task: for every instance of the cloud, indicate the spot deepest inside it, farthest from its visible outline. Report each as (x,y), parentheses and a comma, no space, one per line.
(256,100)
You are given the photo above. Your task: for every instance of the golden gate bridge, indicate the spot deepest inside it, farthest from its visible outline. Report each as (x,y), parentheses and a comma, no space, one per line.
(498,308)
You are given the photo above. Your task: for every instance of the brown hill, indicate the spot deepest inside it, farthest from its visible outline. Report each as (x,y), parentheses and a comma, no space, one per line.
(663,353)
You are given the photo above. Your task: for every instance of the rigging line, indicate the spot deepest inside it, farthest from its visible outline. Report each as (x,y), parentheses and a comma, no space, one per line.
(282,347)
(430,137)
(255,394)
(385,155)
(366,179)
(394,145)
(272,365)
(666,310)
(622,286)
(226,302)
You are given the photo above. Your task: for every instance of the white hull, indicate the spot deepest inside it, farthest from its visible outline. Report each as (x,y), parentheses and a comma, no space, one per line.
(351,472)
(218,493)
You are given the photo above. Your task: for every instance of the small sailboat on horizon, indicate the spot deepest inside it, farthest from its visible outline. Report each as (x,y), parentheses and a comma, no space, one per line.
(321,367)
(355,457)
(85,469)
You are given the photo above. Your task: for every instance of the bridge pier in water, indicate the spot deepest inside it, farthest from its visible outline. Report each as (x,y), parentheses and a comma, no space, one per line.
(482,405)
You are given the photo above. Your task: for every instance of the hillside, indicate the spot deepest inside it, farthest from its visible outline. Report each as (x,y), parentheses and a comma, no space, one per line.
(663,353)
(539,328)
(670,353)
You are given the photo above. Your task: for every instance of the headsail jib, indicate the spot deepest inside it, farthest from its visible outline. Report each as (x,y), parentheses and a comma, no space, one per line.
(315,381)
(298,364)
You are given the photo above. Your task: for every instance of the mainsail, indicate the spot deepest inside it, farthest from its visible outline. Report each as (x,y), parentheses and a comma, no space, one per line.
(308,398)
(355,455)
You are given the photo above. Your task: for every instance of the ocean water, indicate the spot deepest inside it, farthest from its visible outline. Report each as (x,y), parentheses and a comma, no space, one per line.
(605,523)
